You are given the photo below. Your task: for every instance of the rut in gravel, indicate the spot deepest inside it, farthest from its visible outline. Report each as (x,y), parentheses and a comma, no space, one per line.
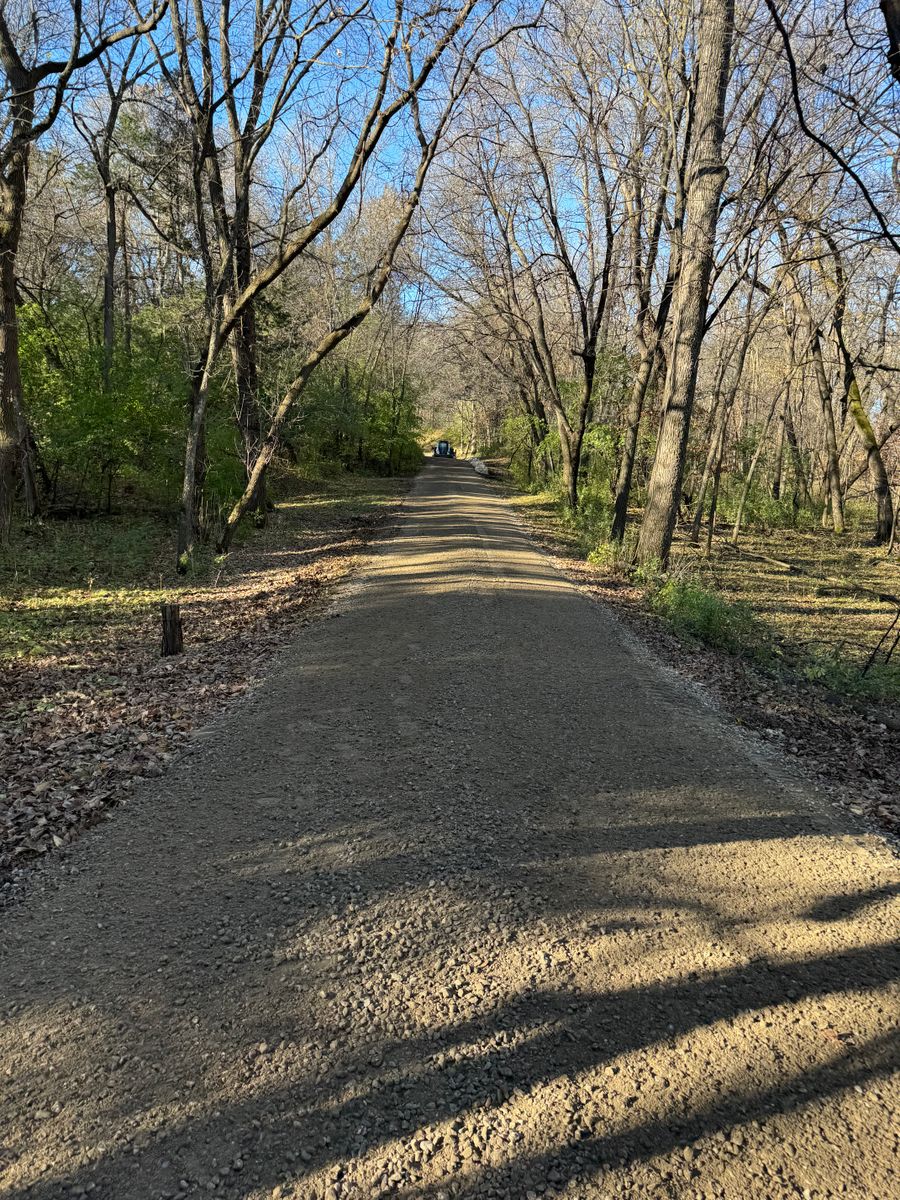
(470,899)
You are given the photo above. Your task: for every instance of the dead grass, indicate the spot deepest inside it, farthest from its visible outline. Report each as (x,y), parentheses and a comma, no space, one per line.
(813,615)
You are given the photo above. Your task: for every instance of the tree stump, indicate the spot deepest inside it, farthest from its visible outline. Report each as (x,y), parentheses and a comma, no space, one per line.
(172,631)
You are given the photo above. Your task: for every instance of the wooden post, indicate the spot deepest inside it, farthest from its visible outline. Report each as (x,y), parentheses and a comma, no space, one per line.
(172,632)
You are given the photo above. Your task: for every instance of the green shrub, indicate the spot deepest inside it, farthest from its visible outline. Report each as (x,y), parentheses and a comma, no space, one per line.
(705,615)
(762,510)
(832,668)
(609,556)
(593,517)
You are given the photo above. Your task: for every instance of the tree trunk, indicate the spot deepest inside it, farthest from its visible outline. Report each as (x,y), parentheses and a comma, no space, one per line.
(712,467)
(832,461)
(126,283)
(704,190)
(569,453)
(800,484)
(714,496)
(639,389)
(717,440)
(192,481)
(751,471)
(884,521)
(109,283)
(778,466)
(246,367)
(537,424)
(10,383)
(15,456)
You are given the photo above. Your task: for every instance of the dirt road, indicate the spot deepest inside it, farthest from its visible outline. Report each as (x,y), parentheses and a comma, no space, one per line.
(472,899)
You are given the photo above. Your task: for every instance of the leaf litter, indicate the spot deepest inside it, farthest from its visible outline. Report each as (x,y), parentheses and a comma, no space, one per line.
(85,722)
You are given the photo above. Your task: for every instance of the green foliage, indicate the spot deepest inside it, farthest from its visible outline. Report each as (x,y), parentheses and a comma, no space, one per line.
(67,587)
(96,443)
(649,574)
(124,446)
(831,667)
(762,510)
(62,581)
(698,612)
(599,457)
(613,557)
(593,517)
(527,465)
(707,616)
(350,421)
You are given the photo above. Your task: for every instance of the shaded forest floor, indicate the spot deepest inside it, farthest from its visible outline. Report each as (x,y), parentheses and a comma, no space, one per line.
(808,703)
(89,709)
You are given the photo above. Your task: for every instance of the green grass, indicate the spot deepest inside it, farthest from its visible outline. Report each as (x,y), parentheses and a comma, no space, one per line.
(696,611)
(61,583)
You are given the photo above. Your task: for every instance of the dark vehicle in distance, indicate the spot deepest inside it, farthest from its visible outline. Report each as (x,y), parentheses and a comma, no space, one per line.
(444,450)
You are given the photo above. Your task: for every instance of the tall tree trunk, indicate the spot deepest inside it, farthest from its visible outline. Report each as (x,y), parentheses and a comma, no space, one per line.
(537,424)
(704,190)
(778,465)
(800,484)
(126,281)
(751,471)
(852,402)
(784,413)
(720,425)
(714,493)
(570,456)
(832,458)
(832,464)
(884,520)
(246,366)
(713,466)
(109,282)
(15,441)
(194,474)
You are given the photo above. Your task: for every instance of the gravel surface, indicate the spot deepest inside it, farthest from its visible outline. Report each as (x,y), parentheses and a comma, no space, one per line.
(472,899)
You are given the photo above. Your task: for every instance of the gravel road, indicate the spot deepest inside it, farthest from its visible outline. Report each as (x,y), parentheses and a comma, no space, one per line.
(472,899)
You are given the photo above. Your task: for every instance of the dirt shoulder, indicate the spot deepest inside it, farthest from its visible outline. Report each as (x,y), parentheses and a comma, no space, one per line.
(849,749)
(89,709)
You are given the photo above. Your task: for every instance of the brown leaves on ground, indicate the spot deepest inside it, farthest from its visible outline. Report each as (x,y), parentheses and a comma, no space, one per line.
(80,728)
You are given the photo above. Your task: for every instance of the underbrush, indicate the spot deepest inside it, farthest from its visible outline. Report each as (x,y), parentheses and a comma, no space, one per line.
(707,616)
(801,627)
(699,612)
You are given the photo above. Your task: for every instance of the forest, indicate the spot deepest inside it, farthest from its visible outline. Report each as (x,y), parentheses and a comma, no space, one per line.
(645,258)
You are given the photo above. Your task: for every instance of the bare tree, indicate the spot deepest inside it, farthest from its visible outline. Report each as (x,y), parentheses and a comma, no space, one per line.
(98,129)
(475,40)
(706,178)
